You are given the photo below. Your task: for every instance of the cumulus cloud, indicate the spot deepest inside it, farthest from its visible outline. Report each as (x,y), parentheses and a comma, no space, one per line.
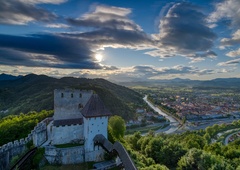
(230,62)
(145,72)
(113,28)
(234,40)
(57,25)
(20,12)
(106,17)
(235,53)
(228,10)
(183,31)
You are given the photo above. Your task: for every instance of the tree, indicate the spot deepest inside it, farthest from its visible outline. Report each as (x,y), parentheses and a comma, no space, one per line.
(116,128)
(200,160)
(155,167)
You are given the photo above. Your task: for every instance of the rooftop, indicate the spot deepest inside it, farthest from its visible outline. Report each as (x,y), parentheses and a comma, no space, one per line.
(95,108)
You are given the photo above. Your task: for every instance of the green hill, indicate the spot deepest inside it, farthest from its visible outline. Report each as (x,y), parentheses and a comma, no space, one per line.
(35,93)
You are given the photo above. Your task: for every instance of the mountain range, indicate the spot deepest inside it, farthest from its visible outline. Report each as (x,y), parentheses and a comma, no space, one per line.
(218,83)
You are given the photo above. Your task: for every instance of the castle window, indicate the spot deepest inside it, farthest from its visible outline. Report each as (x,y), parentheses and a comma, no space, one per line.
(62,95)
(71,95)
(80,95)
(80,106)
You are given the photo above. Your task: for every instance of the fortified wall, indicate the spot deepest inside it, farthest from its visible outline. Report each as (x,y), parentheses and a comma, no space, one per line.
(18,147)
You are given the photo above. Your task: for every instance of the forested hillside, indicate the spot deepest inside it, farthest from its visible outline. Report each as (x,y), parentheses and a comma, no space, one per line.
(186,151)
(35,93)
(15,127)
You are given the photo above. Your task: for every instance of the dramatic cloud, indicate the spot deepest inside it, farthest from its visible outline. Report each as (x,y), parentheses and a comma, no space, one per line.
(42,1)
(183,31)
(77,49)
(20,12)
(113,28)
(228,10)
(230,62)
(46,50)
(106,17)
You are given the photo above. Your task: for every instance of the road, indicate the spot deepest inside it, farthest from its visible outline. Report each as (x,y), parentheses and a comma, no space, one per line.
(227,138)
(174,124)
(205,123)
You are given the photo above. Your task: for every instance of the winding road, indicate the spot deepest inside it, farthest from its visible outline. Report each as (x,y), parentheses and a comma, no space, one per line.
(174,124)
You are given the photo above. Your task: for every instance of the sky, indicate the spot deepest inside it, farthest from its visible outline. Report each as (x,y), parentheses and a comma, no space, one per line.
(121,40)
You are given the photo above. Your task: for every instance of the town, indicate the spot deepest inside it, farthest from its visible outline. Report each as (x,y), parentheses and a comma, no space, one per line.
(197,103)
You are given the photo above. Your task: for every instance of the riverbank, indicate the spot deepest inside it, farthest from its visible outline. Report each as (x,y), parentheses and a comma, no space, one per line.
(174,124)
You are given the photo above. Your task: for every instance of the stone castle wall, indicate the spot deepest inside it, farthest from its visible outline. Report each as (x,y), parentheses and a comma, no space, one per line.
(12,149)
(66,134)
(69,102)
(71,155)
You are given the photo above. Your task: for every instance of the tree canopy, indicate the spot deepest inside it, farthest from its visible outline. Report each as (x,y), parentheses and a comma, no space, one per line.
(116,128)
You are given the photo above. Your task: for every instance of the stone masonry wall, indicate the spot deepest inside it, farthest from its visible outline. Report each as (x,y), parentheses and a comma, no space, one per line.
(11,149)
(71,155)
(69,102)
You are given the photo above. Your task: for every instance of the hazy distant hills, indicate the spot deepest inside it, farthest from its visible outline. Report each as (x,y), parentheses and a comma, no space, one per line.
(219,83)
(35,92)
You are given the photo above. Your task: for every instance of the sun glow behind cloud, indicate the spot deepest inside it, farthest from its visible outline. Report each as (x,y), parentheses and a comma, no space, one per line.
(109,41)
(98,57)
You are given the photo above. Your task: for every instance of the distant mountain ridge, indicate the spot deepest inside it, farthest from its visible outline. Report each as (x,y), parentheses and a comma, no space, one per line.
(35,92)
(4,76)
(219,82)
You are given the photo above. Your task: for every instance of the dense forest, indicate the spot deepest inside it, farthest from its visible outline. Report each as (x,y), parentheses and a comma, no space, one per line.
(35,93)
(15,127)
(189,150)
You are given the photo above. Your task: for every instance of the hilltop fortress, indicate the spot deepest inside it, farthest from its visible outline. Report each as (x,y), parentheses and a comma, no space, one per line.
(78,117)
(77,132)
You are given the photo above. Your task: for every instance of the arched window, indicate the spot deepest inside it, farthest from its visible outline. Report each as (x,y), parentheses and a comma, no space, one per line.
(80,95)
(71,95)
(62,95)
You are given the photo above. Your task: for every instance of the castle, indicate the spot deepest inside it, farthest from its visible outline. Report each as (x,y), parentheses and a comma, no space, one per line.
(78,117)
(77,132)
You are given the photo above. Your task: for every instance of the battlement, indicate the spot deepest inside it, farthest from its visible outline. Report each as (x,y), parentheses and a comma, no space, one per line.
(41,126)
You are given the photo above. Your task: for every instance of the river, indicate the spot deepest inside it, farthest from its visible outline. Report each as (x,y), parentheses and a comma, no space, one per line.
(174,124)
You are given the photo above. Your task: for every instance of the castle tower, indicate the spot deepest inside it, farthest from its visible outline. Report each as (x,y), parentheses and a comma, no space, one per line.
(68,120)
(68,103)
(95,118)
